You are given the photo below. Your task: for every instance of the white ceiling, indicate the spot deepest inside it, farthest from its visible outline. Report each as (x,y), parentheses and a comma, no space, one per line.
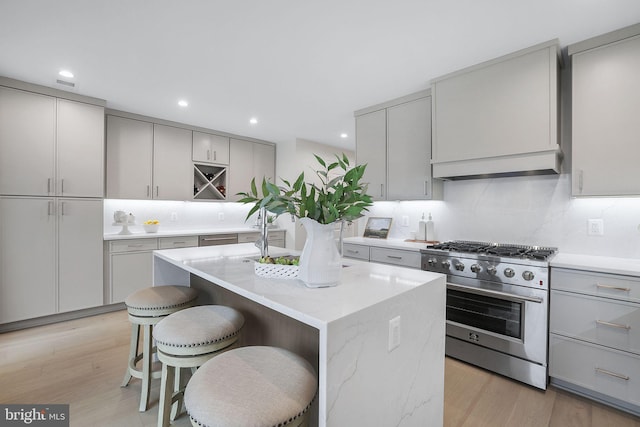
(300,66)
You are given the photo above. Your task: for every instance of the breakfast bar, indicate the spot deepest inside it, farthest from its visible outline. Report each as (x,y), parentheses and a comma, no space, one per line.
(376,339)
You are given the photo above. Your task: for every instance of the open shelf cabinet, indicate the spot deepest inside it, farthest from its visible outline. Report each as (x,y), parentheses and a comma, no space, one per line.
(209,182)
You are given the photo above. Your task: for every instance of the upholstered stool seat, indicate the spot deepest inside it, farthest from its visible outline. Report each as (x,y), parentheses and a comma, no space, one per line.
(252,386)
(147,307)
(187,339)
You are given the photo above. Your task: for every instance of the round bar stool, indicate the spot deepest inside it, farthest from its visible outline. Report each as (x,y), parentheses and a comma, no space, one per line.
(252,387)
(187,339)
(146,307)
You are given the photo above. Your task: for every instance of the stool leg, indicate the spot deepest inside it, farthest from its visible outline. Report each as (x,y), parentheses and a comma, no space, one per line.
(166,387)
(176,406)
(146,368)
(133,352)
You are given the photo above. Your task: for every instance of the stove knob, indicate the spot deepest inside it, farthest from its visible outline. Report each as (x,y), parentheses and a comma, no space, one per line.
(509,272)
(491,270)
(459,266)
(445,264)
(432,261)
(527,275)
(476,268)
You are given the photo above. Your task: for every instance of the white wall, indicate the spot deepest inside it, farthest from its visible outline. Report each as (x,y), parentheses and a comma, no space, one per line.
(524,210)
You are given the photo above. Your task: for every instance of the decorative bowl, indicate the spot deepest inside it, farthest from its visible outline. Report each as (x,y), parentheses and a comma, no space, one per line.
(276,271)
(151,228)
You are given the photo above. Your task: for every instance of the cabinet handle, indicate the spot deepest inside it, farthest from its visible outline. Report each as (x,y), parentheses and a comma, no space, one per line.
(394,257)
(215,155)
(580,179)
(62,186)
(381,190)
(134,246)
(49,208)
(351,251)
(148,191)
(48,185)
(426,185)
(613,374)
(208,154)
(62,208)
(615,288)
(157,190)
(613,325)
(179,243)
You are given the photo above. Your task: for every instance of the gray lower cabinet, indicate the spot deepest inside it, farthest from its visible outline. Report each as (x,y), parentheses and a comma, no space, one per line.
(392,256)
(352,250)
(594,339)
(276,238)
(130,263)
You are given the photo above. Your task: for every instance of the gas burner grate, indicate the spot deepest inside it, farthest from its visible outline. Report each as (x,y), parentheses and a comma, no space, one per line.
(497,249)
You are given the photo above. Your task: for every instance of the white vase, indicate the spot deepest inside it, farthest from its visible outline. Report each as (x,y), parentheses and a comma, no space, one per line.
(320,262)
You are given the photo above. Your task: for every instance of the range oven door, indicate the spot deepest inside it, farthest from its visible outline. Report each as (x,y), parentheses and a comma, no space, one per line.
(507,318)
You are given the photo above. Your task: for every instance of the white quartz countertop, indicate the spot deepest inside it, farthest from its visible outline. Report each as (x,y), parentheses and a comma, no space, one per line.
(388,243)
(602,264)
(137,232)
(362,284)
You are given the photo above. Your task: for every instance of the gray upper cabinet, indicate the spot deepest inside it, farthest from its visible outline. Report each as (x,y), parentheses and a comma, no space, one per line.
(210,148)
(605,105)
(248,160)
(172,167)
(50,146)
(394,140)
(498,117)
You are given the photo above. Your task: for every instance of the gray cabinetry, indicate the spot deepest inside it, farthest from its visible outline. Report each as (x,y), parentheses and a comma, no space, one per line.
(595,336)
(498,117)
(400,257)
(276,237)
(210,148)
(605,125)
(394,140)
(248,160)
(172,167)
(352,250)
(50,146)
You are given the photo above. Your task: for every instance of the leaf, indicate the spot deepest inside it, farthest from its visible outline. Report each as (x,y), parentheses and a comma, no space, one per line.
(320,160)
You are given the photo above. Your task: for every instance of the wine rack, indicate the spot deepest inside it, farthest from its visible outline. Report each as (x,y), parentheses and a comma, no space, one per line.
(209,182)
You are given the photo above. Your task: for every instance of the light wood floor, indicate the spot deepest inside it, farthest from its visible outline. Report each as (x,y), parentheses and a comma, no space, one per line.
(81,362)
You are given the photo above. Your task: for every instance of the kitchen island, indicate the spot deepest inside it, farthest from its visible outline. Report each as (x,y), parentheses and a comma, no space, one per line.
(376,340)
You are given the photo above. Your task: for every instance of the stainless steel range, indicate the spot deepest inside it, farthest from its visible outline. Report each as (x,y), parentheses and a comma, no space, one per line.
(497,305)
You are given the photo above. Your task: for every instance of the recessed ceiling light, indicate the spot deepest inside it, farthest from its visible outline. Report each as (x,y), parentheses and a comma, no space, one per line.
(66,73)
(343,135)
(253,120)
(183,103)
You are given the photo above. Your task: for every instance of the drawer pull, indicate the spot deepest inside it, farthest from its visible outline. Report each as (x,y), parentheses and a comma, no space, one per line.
(616,288)
(179,243)
(614,325)
(351,251)
(613,374)
(394,257)
(134,246)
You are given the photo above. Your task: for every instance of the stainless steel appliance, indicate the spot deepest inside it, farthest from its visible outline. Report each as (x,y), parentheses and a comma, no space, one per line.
(497,305)
(218,239)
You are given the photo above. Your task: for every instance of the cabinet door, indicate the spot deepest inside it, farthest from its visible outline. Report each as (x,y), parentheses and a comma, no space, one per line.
(27,258)
(371,148)
(240,168)
(409,150)
(129,158)
(80,260)
(172,165)
(129,273)
(27,143)
(80,149)
(210,148)
(264,161)
(605,125)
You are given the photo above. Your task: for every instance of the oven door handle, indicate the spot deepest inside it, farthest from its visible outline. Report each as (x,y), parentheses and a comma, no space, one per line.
(497,294)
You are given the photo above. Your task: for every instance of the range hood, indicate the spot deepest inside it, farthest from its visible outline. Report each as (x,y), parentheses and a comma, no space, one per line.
(545,162)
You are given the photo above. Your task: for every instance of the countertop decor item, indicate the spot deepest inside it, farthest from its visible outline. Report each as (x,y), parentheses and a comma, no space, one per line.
(151,226)
(339,197)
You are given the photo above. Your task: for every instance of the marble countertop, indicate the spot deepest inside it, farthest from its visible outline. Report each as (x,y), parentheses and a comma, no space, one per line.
(602,264)
(137,232)
(362,284)
(387,243)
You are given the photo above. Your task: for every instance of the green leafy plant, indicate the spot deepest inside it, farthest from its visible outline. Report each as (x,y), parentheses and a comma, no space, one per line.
(342,197)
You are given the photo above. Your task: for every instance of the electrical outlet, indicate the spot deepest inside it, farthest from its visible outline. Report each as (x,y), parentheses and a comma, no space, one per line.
(220,216)
(405,221)
(595,227)
(394,333)
(174,216)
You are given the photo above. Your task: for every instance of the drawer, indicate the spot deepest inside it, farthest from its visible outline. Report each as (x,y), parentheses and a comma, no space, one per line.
(611,372)
(133,245)
(177,242)
(248,237)
(616,286)
(598,320)
(350,250)
(396,257)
